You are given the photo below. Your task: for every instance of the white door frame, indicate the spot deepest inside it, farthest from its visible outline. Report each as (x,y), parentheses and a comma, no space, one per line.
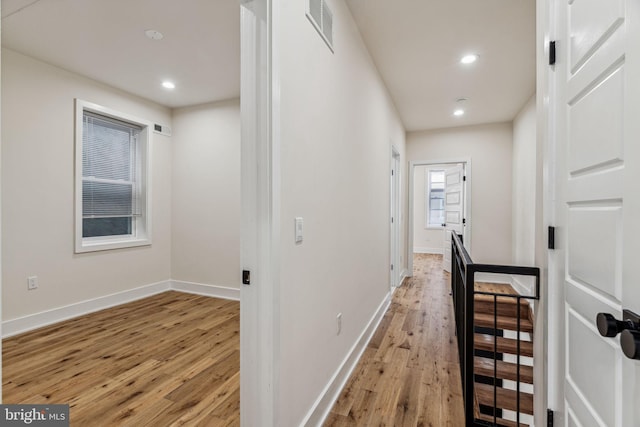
(548,350)
(260,223)
(394,219)
(466,161)
(1,236)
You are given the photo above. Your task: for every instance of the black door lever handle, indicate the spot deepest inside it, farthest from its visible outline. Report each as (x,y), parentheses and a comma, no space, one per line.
(609,326)
(630,343)
(629,330)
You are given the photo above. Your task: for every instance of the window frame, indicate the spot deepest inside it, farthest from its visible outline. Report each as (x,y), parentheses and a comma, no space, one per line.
(427,194)
(141,225)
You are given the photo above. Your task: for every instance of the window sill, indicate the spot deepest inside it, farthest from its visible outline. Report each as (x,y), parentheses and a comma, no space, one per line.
(434,227)
(105,245)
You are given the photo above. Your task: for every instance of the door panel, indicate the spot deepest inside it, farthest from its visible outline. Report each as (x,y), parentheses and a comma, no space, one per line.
(591,126)
(597,77)
(453,207)
(597,389)
(594,238)
(579,412)
(572,422)
(587,302)
(591,23)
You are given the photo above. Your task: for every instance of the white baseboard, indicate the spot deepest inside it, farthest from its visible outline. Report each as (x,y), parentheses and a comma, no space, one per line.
(49,317)
(516,282)
(323,404)
(424,250)
(494,278)
(523,288)
(206,290)
(403,276)
(45,318)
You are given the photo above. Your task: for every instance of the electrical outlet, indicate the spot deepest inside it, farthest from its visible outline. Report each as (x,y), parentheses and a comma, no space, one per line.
(338,323)
(32,282)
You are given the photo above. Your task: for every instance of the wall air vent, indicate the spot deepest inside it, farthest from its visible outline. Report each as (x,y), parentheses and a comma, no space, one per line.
(322,19)
(162,129)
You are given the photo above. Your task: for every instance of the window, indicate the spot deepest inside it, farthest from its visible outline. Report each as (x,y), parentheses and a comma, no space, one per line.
(112,185)
(435,198)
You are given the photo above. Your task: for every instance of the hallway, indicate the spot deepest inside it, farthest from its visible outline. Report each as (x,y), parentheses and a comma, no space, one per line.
(409,373)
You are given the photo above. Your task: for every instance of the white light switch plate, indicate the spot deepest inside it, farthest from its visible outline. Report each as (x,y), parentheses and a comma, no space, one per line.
(299,229)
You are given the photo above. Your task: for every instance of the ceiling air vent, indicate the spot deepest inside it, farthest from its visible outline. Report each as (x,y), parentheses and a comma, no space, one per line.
(322,19)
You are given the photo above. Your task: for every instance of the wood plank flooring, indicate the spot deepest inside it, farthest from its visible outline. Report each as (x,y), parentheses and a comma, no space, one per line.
(171,359)
(409,374)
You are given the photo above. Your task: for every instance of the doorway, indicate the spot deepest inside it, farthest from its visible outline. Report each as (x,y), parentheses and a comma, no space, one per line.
(594,205)
(395,218)
(428,206)
(179,118)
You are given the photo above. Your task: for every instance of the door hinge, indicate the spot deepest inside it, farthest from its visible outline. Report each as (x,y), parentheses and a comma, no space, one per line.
(391,172)
(464,221)
(391,267)
(549,418)
(464,177)
(552,238)
(552,52)
(246,277)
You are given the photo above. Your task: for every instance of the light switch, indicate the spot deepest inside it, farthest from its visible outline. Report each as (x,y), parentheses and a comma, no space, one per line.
(299,229)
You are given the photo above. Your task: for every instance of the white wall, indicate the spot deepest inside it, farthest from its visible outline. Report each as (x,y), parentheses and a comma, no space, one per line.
(489,148)
(337,127)
(425,240)
(38,192)
(206,194)
(524,184)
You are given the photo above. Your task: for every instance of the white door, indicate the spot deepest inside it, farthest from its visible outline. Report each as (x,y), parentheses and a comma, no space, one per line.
(597,150)
(453,208)
(395,219)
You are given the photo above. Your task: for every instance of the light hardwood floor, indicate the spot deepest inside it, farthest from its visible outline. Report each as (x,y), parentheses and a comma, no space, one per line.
(171,359)
(409,374)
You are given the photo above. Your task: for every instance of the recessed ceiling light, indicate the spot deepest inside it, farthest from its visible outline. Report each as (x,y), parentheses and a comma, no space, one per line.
(458,112)
(154,34)
(469,59)
(168,85)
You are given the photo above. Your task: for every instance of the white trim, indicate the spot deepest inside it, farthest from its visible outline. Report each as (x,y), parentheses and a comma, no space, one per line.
(548,350)
(38,320)
(425,250)
(494,278)
(395,201)
(260,221)
(521,287)
(142,236)
(403,276)
(323,404)
(467,200)
(49,317)
(317,25)
(215,291)
(516,283)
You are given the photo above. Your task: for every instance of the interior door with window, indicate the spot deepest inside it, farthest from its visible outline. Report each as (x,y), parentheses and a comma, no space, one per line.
(453,209)
(597,157)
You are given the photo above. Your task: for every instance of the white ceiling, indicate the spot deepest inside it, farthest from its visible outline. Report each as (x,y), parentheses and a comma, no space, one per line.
(105,40)
(416,45)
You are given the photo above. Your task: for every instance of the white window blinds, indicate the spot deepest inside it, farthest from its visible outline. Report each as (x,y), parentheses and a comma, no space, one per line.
(110,177)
